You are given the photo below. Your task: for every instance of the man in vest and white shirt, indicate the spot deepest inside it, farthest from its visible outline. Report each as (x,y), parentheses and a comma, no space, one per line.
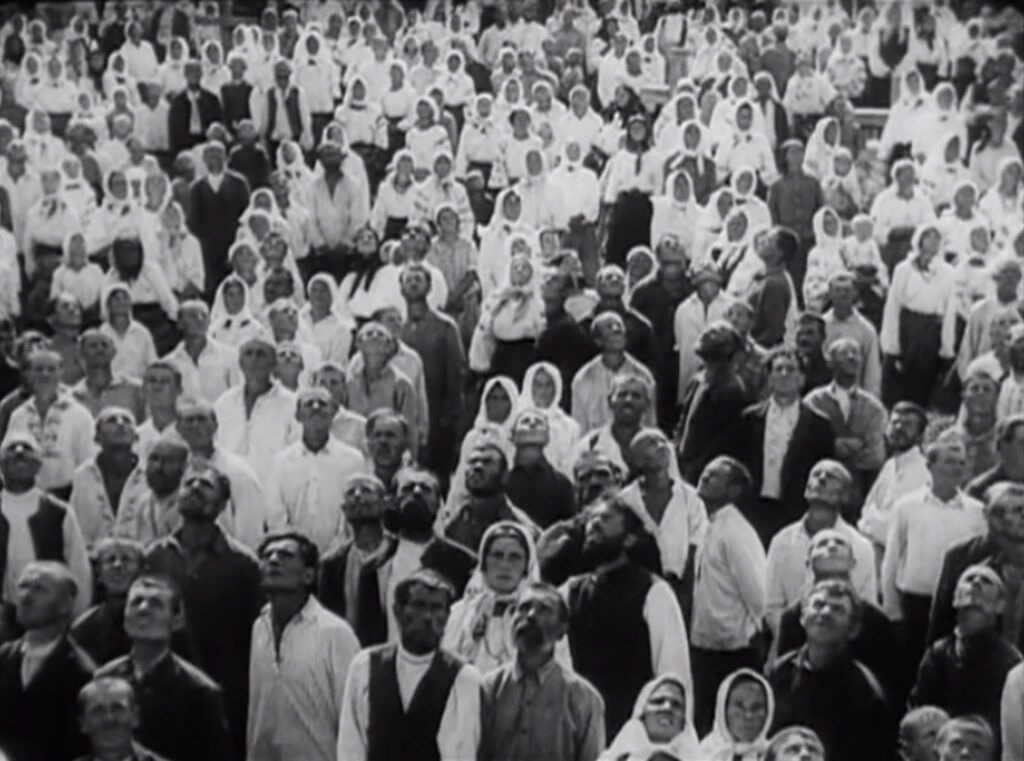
(283,112)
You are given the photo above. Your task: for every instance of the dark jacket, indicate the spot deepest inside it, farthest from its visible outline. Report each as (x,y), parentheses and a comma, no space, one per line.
(541,492)
(214,221)
(138,754)
(370,621)
(41,721)
(181,710)
(180,114)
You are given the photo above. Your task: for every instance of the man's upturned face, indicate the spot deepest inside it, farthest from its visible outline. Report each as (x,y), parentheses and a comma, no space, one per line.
(827,617)
(109,719)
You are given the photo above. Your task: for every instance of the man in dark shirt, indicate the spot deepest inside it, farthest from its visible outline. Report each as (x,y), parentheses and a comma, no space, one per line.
(181,710)
(822,687)
(533,485)
(793,201)
(100,630)
(562,342)
(640,340)
(219,581)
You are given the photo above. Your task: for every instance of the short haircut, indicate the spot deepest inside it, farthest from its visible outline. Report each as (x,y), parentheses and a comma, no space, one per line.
(307,549)
(739,475)
(163,364)
(835,588)
(110,543)
(160,581)
(1006,429)
(914,409)
(103,684)
(780,737)
(490,446)
(414,471)
(382,414)
(623,379)
(784,352)
(969,723)
(424,577)
(913,720)
(948,439)
(550,591)
(1002,490)
(65,579)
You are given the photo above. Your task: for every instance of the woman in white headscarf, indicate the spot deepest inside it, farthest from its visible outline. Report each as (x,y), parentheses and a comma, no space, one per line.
(90,115)
(180,256)
(676,211)
(76,190)
(734,250)
(905,116)
(958,220)
(56,94)
(44,149)
(231,320)
(940,118)
(426,137)
(821,147)
(330,332)
(824,260)
(317,74)
(944,170)
(542,390)
(744,711)
(172,70)
(116,75)
(298,175)
(479,629)
(660,724)
(542,208)
(511,318)
(744,192)
(1003,203)
(506,222)
(215,73)
(28,80)
(478,143)
(711,221)
(49,220)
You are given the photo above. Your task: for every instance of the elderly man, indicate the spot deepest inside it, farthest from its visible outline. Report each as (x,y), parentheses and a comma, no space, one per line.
(300,658)
(41,673)
(339,206)
(353,576)
(412,694)
(256,419)
(828,488)
(1010,453)
(534,707)
(856,415)
(593,382)
(1002,548)
(309,474)
(101,388)
(100,630)
(180,709)
(246,515)
(35,526)
(208,367)
(925,524)
(149,509)
(964,672)
(216,204)
(220,587)
(821,686)
(621,607)
(784,439)
(192,111)
(108,714)
(102,480)
(67,425)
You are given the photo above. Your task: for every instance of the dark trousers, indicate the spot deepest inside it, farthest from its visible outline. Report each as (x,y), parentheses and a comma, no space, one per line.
(710,668)
(916,610)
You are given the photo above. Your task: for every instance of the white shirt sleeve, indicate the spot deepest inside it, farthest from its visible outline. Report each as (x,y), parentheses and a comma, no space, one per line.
(670,651)
(355,709)
(895,544)
(1013,715)
(458,736)
(77,558)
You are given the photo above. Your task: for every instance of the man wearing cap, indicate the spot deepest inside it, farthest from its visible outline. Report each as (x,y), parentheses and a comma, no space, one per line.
(844,320)
(706,304)
(965,671)
(309,474)
(66,425)
(104,479)
(543,493)
(42,672)
(208,368)
(256,419)
(101,388)
(592,385)
(34,525)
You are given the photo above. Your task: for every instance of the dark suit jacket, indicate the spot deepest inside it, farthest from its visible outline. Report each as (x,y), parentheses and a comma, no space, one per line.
(138,754)
(180,114)
(214,221)
(812,441)
(181,710)
(40,722)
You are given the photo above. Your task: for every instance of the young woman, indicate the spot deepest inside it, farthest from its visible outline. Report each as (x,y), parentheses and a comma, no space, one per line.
(542,390)
(394,205)
(369,286)
(231,321)
(824,260)
(330,333)
(631,177)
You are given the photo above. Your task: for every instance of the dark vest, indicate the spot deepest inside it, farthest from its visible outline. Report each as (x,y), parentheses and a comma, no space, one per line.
(609,638)
(395,734)
(291,110)
(369,620)
(235,97)
(46,525)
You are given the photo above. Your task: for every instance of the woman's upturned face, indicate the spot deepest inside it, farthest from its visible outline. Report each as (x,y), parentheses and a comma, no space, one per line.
(681,188)
(520,272)
(366,242)
(119,186)
(543,389)
(736,227)
(320,295)
(930,241)
(504,565)
(511,206)
(234,297)
(664,716)
(746,710)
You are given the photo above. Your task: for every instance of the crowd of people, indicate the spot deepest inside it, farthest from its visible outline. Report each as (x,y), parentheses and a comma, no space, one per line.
(541,380)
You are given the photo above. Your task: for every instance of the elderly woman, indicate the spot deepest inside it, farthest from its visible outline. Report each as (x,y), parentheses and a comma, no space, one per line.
(659,726)
(743,716)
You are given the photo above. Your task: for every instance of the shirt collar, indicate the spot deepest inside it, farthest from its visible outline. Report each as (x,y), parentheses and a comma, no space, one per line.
(541,674)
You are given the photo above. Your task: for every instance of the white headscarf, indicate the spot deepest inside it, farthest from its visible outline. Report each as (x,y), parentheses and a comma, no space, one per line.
(632,742)
(720,745)
(564,431)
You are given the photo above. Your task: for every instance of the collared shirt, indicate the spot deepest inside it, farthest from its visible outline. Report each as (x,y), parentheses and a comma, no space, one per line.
(901,474)
(789,576)
(214,373)
(16,510)
(780,422)
(337,215)
(730,594)
(296,687)
(65,435)
(458,735)
(552,713)
(922,528)
(91,503)
(33,656)
(120,392)
(305,489)
(593,384)
(257,437)
(134,349)
(682,525)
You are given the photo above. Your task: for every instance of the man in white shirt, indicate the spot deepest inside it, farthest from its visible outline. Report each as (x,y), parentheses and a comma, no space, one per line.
(300,659)
(412,694)
(1011,394)
(256,419)
(924,524)
(730,587)
(309,476)
(35,526)
(829,487)
(208,367)
(904,472)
